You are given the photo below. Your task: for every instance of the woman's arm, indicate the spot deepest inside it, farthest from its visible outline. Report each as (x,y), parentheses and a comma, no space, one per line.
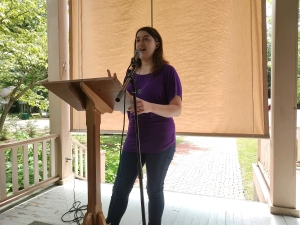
(173,109)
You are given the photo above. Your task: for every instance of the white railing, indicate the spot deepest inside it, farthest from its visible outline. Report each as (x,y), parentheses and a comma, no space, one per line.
(264,154)
(26,166)
(79,153)
(264,158)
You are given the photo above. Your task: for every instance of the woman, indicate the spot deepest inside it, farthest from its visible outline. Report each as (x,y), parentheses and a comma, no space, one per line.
(159,96)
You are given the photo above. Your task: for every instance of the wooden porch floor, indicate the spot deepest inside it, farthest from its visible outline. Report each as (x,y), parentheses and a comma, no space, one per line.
(180,209)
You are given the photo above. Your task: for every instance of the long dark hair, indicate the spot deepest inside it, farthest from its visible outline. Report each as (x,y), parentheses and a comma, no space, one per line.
(158,57)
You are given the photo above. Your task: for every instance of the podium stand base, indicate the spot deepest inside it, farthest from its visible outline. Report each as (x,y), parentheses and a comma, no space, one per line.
(94,219)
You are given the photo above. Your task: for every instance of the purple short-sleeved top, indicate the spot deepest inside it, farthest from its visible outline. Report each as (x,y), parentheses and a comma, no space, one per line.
(156,133)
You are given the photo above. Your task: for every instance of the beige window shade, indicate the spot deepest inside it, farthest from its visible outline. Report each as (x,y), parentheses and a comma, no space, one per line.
(217,47)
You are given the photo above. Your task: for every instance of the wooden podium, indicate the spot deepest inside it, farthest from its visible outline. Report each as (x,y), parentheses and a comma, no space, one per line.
(96,97)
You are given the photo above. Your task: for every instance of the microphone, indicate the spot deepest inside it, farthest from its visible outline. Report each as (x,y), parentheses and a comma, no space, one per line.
(137,54)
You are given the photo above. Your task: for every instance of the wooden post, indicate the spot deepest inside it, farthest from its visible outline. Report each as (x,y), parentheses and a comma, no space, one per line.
(58,60)
(283,120)
(94,214)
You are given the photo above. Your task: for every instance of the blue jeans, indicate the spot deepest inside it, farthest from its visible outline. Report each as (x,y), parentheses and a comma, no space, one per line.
(157,165)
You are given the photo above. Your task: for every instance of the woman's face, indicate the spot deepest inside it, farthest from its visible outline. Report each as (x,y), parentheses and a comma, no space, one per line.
(146,44)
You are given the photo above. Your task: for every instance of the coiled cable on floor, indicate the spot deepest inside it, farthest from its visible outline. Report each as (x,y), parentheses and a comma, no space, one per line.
(76,209)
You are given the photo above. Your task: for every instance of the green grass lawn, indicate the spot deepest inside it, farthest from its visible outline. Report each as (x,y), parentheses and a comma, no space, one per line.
(247,154)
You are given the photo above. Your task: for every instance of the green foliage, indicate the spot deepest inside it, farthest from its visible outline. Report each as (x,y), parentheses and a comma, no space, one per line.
(82,138)
(20,135)
(44,131)
(23,51)
(31,129)
(13,131)
(269,32)
(23,42)
(179,139)
(20,163)
(4,134)
(36,96)
(111,144)
(247,154)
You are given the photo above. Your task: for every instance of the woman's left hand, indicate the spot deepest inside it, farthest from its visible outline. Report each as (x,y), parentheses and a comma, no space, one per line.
(141,107)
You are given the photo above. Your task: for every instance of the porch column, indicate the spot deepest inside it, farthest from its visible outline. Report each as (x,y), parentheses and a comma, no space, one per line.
(58,59)
(284,92)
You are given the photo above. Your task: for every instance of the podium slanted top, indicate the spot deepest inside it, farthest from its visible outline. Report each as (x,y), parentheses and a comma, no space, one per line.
(106,88)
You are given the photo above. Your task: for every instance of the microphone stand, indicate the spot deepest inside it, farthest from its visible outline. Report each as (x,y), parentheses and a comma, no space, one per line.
(130,78)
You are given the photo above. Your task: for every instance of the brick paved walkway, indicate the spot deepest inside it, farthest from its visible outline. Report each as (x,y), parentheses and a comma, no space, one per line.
(205,166)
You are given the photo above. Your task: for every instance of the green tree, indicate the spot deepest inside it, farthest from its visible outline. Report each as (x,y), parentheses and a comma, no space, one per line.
(23,52)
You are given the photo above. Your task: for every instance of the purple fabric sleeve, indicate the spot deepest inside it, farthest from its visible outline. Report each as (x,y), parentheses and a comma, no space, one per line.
(173,86)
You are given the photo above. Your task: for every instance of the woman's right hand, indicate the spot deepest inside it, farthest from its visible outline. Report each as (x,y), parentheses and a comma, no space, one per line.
(109,74)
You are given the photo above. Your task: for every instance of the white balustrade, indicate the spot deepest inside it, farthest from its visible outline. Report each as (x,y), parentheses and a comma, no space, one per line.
(26,165)
(80,161)
(264,154)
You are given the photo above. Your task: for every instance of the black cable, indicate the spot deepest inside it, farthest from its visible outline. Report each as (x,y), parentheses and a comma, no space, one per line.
(124,110)
(76,209)
(122,135)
